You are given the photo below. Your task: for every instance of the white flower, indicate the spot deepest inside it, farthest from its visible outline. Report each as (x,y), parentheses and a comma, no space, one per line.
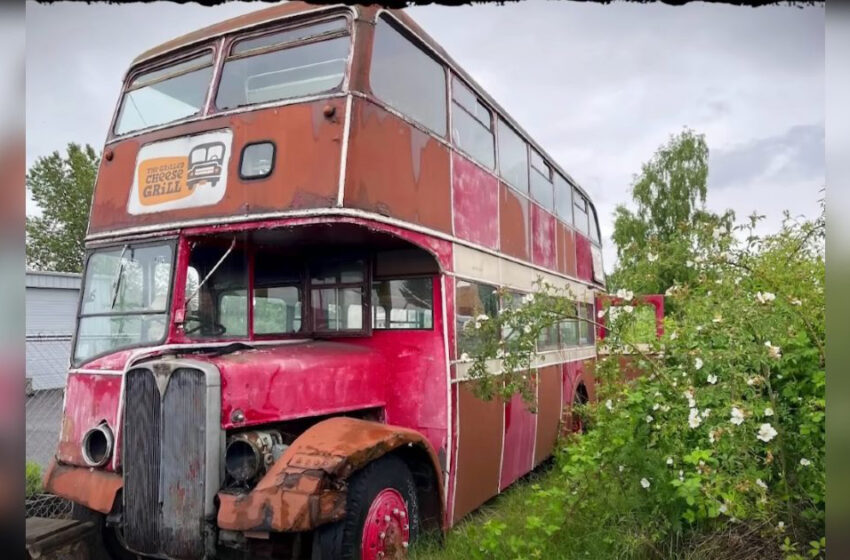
(609,405)
(628,308)
(674,335)
(768,411)
(694,419)
(621,468)
(773,351)
(690,396)
(671,290)
(711,436)
(796,301)
(765,297)
(780,526)
(669,460)
(527,329)
(737,416)
(656,406)
(698,364)
(761,483)
(689,263)
(482,317)
(722,508)
(699,328)
(705,412)
(805,462)
(766,433)
(601,313)
(681,475)
(712,379)
(464,357)
(751,381)
(625,294)
(651,257)
(717,319)
(644,482)
(649,419)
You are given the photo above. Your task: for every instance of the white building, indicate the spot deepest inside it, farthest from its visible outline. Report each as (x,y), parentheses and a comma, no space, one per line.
(51,310)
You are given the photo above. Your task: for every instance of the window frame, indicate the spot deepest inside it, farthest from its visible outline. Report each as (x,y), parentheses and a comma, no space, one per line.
(491,126)
(230,41)
(550,179)
(498,171)
(172,242)
(161,62)
(429,277)
(242,160)
(365,301)
(409,35)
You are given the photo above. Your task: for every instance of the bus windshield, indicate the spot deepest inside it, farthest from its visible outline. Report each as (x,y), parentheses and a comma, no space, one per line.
(166,94)
(125,298)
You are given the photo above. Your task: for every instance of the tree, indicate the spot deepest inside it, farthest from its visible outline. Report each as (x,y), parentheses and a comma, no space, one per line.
(654,242)
(62,187)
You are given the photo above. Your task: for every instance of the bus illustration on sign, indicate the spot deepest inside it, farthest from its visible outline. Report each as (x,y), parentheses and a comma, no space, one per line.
(205,164)
(276,368)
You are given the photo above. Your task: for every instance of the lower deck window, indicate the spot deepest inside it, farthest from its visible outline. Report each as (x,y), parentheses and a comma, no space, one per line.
(337,295)
(471,300)
(402,304)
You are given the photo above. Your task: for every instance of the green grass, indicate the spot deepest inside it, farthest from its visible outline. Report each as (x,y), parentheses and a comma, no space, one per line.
(508,507)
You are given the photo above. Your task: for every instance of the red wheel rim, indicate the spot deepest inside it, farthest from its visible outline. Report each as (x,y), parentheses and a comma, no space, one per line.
(386,531)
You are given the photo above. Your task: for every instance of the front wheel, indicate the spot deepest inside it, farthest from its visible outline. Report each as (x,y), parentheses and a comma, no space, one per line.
(105,544)
(381,516)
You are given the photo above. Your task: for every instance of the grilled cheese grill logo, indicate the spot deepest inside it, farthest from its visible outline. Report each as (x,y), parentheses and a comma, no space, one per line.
(181,173)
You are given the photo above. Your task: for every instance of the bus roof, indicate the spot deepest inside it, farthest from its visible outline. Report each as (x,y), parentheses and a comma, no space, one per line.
(274,13)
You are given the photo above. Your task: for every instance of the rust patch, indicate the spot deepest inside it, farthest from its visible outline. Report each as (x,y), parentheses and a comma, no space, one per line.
(306,486)
(396,170)
(548,412)
(570,251)
(95,489)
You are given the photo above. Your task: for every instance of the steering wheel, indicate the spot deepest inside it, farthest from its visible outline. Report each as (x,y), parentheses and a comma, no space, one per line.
(218,328)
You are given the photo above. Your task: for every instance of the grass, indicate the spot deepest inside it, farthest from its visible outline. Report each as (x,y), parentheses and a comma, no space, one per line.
(508,507)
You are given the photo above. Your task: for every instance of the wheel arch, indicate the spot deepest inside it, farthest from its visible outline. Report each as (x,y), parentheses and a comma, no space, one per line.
(306,486)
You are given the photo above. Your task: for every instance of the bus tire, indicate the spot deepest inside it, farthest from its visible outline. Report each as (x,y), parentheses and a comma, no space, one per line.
(381,515)
(104,544)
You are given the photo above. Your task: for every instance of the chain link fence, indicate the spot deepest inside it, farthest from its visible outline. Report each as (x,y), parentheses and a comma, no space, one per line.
(47,366)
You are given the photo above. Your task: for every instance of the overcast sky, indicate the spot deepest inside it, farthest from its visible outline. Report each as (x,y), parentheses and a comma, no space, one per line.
(600,87)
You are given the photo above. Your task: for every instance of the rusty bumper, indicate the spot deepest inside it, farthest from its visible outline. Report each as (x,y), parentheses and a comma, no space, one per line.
(95,489)
(306,487)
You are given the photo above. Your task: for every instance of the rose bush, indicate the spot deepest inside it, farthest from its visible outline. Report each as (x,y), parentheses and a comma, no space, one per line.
(719,444)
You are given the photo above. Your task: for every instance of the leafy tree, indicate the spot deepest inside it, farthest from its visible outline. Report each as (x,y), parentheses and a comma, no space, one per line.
(62,187)
(654,241)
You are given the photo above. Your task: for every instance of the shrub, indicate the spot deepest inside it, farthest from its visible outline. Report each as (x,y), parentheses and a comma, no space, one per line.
(721,440)
(33,474)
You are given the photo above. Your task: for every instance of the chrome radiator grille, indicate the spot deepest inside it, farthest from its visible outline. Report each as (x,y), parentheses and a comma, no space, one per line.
(165,461)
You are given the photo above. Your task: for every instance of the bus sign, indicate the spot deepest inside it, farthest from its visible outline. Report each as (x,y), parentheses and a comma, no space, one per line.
(183,172)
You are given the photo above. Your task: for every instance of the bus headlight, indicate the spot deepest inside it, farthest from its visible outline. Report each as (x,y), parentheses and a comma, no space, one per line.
(97,445)
(249,454)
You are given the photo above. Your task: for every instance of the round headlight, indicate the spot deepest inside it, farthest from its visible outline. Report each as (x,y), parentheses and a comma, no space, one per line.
(242,460)
(97,445)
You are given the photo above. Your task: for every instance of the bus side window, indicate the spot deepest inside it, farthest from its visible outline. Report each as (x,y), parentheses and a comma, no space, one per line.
(471,300)
(404,303)
(277,295)
(407,79)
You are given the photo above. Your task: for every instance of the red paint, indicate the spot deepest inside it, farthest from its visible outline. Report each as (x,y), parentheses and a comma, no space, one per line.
(475,194)
(89,400)
(584,260)
(543,242)
(520,433)
(386,529)
(299,380)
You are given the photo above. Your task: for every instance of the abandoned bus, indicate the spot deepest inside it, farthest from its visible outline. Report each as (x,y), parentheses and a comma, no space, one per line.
(296,212)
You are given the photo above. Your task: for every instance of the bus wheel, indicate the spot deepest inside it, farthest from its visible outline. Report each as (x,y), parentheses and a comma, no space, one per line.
(381,516)
(104,545)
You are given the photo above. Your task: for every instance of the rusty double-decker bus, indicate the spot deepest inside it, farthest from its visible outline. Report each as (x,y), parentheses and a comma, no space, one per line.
(296,212)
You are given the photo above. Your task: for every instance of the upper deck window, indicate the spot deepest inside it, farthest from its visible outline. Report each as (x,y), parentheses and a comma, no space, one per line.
(594,226)
(563,199)
(513,158)
(407,79)
(472,126)
(541,181)
(580,213)
(307,60)
(166,94)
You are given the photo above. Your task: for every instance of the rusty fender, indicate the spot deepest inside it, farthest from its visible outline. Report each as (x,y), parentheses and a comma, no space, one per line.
(95,489)
(304,488)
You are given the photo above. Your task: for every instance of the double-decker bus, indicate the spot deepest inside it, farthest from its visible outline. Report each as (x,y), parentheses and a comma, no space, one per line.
(296,212)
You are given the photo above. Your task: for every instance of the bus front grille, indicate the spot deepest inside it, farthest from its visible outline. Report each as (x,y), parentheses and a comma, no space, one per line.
(164,462)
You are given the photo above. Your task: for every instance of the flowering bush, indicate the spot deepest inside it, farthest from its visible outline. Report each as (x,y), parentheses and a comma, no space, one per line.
(720,440)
